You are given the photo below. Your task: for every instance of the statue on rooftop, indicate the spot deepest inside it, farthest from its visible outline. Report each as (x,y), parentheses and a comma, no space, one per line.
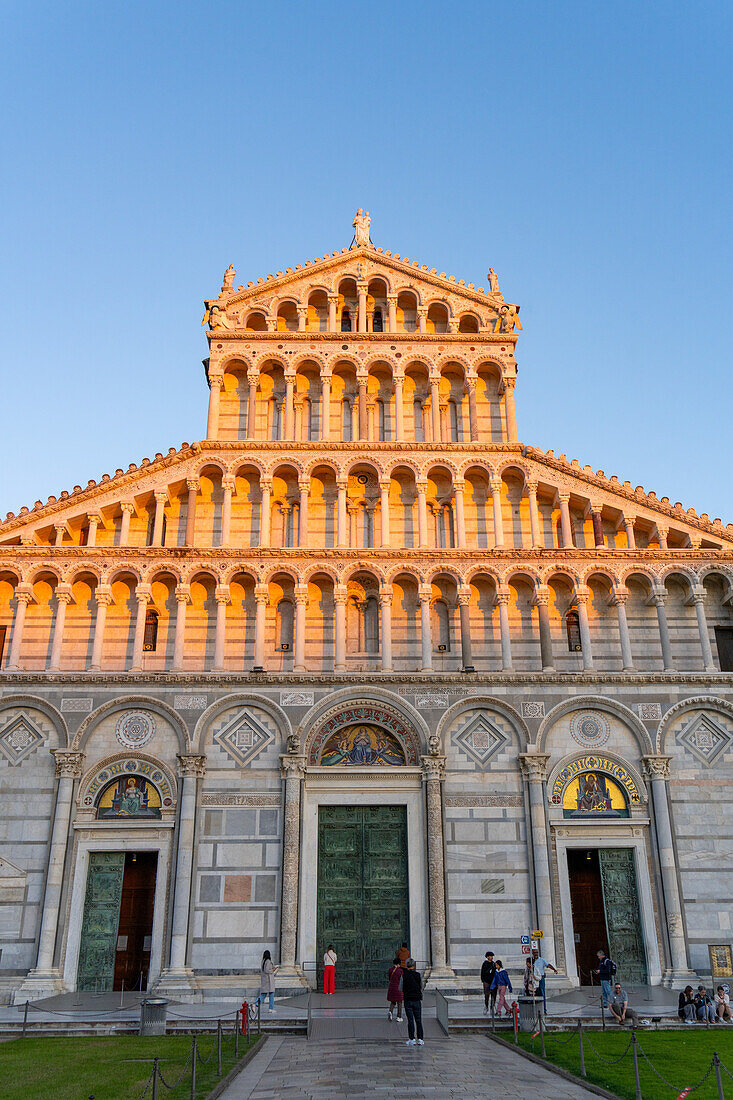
(218,318)
(508,318)
(361,225)
(493,281)
(228,280)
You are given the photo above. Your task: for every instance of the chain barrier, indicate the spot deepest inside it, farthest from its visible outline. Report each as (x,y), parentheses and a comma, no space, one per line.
(675,1088)
(560,1042)
(205,1061)
(608,1061)
(725,1070)
(175,1085)
(149,1083)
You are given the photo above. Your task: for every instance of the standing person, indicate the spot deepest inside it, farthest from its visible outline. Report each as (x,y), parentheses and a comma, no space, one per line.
(539,968)
(395,995)
(722,1004)
(412,990)
(267,980)
(606,971)
(686,1005)
(488,969)
(528,978)
(403,955)
(620,1007)
(501,983)
(329,971)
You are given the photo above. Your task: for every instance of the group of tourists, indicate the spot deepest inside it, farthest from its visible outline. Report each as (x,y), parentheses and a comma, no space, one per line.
(699,1005)
(405,989)
(497,983)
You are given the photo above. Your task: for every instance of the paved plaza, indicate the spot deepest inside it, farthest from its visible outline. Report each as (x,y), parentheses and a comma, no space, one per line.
(455,1068)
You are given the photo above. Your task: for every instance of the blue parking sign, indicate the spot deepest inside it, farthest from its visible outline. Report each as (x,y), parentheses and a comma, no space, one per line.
(525,939)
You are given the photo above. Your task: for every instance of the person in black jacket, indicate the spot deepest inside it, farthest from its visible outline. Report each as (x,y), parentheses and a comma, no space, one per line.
(488,969)
(412,990)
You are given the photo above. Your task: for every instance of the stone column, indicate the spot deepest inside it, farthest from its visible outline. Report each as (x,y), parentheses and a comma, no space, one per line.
(216,383)
(581,595)
(698,598)
(628,522)
(304,487)
(434,773)
(23,596)
(161,499)
(63,599)
(502,598)
(142,595)
(392,307)
(659,598)
(302,317)
(103,597)
(542,599)
(262,598)
(222,596)
(535,526)
(399,408)
(657,772)
(619,597)
(472,409)
(362,378)
(228,486)
(183,594)
(596,514)
(289,432)
(265,509)
(253,380)
(422,514)
(385,603)
(127,508)
(292,770)
(333,301)
(458,487)
(191,768)
(339,599)
(361,290)
(342,519)
(510,410)
(60,529)
(94,520)
(566,525)
(464,606)
(301,603)
(424,593)
(435,406)
(534,770)
(325,405)
(496,502)
(69,767)
(193,488)
(384,511)
(662,533)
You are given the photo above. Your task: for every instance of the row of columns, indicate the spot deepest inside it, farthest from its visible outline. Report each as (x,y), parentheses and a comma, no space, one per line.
(216,383)
(534,769)
(143,595)
(361,315)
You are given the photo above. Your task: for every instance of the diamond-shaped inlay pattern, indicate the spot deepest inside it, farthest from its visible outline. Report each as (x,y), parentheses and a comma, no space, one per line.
(19,739)
(244,736)
(705,738)
(480,739)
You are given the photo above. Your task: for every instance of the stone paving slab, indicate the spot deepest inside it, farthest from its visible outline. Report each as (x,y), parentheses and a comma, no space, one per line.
(465,1068)
(369,1028)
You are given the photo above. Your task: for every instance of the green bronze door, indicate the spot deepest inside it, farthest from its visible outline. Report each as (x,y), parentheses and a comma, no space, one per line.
(623,920)
(363,905)
(101,921)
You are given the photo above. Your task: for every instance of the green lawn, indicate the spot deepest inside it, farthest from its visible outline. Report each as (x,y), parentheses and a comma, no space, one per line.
(680,1056)
(114,1068)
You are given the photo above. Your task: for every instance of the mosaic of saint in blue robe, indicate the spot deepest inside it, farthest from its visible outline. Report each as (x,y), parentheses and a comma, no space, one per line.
(362,745)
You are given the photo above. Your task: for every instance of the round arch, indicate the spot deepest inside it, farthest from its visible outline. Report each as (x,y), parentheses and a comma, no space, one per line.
(20,699)
(595,702)
(145,702)
(508,712)
(373,704)
(697,702)
(243,698)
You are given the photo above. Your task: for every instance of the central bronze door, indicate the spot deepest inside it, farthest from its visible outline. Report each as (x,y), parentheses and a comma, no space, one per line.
(363,900)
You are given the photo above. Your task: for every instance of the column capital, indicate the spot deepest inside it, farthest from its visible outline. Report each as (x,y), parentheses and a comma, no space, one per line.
(340,593)
(510,381)
(253,377)
(304,484)
(301,593)
(302,311)
(63,593)
(471,381)
(503,593)
(183,593)
(69,764)
(292,766)
(563,496)
(534,766)
(193,484)
(24,592)
(333,298)
(659,595)
(216,381)
(95,518)
(385,594)
(464,595)
(161,496)
(434,375)
(530,484)
(581,593)
(127,506)
(289,374)
(425,593)
(495,484)
(398,376)
(222,593)
(594,508)
(362,376)
(266,483)
(143,592)
(422,485)
(191,766)
(656,766)
(628,521)
(459,484)
(392,299)
(433,767)
(326,372)
(342,482)
(262,593)
(102,594)
(384,483)
(619,595)
(698,593)
(60,526)
(542,594)
(662,530)
(229,484)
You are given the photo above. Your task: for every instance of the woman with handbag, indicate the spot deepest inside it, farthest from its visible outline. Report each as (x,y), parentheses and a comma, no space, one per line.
(395,996)
(267,980)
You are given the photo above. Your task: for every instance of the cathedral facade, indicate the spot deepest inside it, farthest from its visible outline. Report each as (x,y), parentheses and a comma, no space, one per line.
(361,667)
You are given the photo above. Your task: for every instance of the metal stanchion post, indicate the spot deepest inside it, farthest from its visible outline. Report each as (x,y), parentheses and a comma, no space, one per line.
(542,1032)
(195,1054)
(493,1027)
(218,1048)
(516,1023)
(25,1018)
(582,1051)
(122,994)
(716,1063)
(637,1084)
(603,1014)
(155,1079)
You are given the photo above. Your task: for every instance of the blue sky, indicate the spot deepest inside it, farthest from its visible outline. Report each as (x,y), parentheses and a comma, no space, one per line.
(582,150)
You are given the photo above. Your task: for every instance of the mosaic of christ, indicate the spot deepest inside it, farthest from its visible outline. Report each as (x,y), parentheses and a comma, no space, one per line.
(362,745)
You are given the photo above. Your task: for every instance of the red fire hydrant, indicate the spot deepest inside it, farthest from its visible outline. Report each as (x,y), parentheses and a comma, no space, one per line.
(245,1017)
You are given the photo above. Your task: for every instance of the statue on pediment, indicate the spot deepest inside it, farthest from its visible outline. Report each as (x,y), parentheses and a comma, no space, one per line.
(493,281)
(508,318)
(227,284)
(218,318)
(361,224)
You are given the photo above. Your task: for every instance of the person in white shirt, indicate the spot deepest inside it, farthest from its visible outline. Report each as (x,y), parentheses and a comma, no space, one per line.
(722,1004)
(329,970)
(539,968)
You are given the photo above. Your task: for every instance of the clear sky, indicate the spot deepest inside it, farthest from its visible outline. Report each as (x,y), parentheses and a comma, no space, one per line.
(581,149)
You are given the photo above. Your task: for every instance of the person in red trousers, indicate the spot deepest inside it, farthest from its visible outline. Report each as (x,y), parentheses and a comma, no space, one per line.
(329,970)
